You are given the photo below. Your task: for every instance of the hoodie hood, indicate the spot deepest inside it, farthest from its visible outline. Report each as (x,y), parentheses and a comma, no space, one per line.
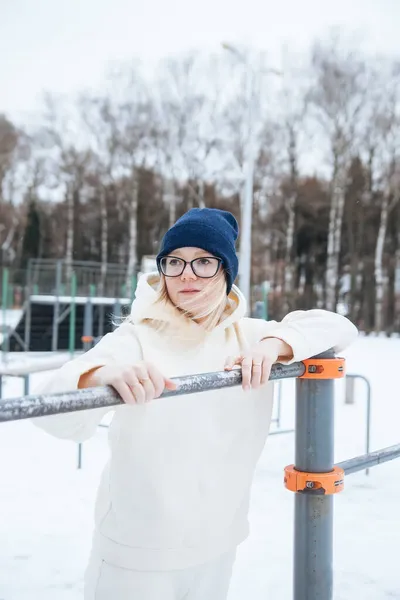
(146,307)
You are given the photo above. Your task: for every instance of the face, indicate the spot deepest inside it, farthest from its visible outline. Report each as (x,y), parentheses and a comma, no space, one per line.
(184,288)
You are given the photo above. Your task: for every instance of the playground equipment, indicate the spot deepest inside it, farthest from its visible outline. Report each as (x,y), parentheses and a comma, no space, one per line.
(313,477)
(61,307)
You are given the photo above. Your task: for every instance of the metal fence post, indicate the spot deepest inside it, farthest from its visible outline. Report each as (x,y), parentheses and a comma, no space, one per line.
(79,455)
(26,384)
(117,310)
(88,324)
(56,307)
(72,316)
(314,453)
(4,305)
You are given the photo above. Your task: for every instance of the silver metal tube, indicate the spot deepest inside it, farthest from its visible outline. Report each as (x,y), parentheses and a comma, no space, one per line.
(368,427)
(314,453)
(29,407)
(358,463)
(56,307)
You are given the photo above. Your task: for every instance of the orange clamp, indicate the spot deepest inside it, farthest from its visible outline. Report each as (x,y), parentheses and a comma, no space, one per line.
(319,483)
(323,368)
(86,339)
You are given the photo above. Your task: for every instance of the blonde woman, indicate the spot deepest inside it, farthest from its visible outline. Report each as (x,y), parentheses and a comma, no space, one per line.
(173,500)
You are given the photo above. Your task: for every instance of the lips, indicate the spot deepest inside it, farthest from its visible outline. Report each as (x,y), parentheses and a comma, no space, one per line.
(189,291)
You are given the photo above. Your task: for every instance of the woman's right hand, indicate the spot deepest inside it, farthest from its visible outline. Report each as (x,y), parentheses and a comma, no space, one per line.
(135,384)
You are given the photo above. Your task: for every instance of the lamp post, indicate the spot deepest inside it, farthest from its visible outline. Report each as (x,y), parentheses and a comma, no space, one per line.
(253,117)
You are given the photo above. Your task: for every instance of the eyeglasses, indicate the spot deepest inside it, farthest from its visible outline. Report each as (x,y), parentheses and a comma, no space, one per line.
(204,267)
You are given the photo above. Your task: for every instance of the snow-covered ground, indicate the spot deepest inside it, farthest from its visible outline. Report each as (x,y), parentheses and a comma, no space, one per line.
(46,503)
(9,317)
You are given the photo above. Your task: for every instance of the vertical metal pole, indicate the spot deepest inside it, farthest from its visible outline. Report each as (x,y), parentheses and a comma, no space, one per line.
(79,455)
(314,453)
(28,312)
(56,309)
(28,308)
(4,303)
(368,440)
(72,315)
(349,390)
(117,312)
(88,322)
(26,385)
(100,325)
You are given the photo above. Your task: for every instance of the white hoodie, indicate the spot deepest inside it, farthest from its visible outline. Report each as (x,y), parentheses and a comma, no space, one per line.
(175,492)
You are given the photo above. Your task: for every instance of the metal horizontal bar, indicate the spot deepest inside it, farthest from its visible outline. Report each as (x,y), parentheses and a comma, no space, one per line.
(28,407)
(358,463)
(51,298)
(281,431)
(34,366)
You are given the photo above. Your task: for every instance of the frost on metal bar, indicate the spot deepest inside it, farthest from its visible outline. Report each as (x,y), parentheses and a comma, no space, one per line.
(32,406)
(370,460)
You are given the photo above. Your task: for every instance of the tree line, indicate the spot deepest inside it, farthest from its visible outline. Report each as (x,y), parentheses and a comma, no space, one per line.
(101,176)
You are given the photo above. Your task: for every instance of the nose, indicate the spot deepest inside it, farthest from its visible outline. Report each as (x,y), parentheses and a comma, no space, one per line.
(188,273)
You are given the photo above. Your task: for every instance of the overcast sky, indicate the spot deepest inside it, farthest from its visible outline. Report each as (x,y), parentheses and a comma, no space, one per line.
(65,45)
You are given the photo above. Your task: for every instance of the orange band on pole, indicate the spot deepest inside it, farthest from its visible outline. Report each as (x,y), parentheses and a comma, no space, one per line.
(325,483)
(324,368)
(86,339)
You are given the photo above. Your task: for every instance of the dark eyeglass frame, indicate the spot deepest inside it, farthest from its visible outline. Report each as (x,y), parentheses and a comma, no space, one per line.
(190,262)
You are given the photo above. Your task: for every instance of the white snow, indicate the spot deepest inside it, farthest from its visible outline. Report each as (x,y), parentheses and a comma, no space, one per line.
(10,318)
(46,504)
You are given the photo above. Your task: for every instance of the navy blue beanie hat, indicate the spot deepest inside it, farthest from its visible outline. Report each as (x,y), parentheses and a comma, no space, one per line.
(211,229)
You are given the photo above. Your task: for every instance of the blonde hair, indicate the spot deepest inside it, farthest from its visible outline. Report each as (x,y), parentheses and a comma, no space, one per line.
(196,309)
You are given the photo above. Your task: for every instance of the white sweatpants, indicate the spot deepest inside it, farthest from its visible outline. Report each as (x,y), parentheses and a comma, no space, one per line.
(209,581)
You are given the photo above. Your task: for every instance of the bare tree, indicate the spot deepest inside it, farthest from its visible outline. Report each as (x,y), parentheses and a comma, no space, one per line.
(69,164)
(293,103)
(388,124)
(188,106)
(135,122)
(14,154)
(337,97)
(9,139)
(100,117)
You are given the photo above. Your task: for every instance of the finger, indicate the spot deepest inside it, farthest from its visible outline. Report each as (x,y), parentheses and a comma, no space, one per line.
(149,390)
(170,385)
(230,361)
(136,387)
(236,360)
(141,371)
(157,379)
(125,392)
(266,371)
(141,385)
(256,371)
(247,363)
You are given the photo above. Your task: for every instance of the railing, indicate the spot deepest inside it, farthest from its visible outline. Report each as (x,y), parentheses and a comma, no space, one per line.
(314,478)
(24,370)
(52,276)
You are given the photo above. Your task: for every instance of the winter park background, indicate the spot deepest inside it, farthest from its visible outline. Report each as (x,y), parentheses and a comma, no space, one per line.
(115,119)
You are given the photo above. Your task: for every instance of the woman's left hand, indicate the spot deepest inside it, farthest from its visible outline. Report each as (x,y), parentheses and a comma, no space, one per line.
(257,362)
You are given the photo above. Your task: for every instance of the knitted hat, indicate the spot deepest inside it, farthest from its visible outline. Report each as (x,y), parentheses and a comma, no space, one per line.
(210,229)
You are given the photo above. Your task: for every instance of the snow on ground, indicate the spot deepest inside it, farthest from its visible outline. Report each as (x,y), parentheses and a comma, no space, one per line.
(9,317)
(46,503)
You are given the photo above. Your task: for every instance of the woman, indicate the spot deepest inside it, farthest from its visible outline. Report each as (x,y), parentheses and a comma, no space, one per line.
(173,500)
